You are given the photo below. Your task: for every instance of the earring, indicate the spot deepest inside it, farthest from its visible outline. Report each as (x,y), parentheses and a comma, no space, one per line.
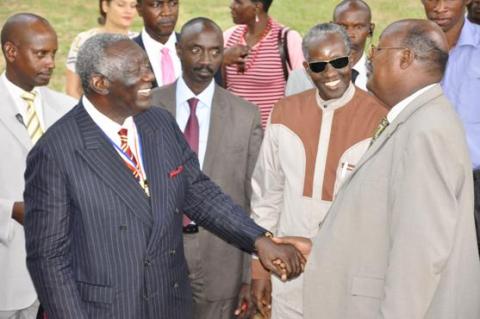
(256,18)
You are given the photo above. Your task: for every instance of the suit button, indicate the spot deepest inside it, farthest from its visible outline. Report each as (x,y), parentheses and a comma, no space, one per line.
(177,210)
(176,285)
(172,252)
(148,262)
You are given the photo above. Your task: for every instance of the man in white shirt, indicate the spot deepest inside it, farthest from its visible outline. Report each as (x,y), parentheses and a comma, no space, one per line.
(229,138)
(28,108)
(158,38)
(355,16)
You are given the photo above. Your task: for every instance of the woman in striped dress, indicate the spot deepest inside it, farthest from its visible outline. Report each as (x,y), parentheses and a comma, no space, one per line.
(253,63)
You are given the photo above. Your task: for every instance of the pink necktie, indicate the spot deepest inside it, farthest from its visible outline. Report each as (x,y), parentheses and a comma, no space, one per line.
(191,135)
(168,74)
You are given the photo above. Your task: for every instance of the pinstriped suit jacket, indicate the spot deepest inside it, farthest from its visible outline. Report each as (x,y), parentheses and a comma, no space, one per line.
(97,247)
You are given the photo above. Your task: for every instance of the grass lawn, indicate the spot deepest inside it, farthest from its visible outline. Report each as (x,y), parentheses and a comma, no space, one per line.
(73,16)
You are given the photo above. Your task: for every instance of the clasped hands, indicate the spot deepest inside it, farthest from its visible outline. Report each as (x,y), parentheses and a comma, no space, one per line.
(284,256)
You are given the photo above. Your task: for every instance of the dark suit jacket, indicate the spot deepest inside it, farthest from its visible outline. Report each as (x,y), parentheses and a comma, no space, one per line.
(97,247)
(234,140)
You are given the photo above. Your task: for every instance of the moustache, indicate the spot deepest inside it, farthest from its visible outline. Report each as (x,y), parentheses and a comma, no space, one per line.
(204,68)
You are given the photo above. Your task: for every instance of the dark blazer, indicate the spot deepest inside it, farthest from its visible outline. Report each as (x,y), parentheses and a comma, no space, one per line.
(234,140)
(97,247)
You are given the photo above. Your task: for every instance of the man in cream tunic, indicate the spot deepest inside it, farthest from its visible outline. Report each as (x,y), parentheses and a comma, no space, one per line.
(310,138)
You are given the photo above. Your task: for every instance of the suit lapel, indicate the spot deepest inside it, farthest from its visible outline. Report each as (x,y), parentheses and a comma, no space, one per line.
(8,117)
(50,114)
(108,165)
(153,160)
(217,127)
(411,108)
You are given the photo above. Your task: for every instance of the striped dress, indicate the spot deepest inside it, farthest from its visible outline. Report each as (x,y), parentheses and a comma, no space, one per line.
(262,82)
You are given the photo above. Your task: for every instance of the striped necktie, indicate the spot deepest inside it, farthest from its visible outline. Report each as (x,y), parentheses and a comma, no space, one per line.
(33,122)
(380,128)
(135,168)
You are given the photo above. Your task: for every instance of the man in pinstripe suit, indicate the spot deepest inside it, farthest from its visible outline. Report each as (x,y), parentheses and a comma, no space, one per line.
(104,210)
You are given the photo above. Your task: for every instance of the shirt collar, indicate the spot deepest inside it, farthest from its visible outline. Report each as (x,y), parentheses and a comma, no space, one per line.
(470,35)
(334,104)
(149,42)
(400,106)
(184,93)
(107,125)
(360,66)
(15,90)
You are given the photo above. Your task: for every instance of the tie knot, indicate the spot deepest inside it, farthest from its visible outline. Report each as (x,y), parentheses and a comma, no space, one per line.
(29,96)
(165,50)
(123,133)
(192,103)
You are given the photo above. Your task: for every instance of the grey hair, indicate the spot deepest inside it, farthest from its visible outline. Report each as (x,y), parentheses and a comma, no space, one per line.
(92,58)
(320,31)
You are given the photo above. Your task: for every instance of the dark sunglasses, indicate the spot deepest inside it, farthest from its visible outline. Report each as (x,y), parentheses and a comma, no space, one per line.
(338,63)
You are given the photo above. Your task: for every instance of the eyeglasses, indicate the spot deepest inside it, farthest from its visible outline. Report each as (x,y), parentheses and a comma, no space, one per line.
(374,50)
(319,66)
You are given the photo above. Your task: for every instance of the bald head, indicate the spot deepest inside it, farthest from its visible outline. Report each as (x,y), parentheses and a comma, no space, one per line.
(17,28)
(410,55)
(198,25)
(352,5)
(29,45)
(426,40)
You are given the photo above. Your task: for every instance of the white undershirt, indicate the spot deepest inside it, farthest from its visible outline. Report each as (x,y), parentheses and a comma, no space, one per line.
(203,111)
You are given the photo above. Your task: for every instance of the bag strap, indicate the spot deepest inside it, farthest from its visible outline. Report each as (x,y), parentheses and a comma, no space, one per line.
(283,48)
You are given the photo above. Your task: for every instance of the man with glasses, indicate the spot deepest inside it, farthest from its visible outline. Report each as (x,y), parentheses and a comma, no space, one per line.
(461,81)
(399,239)
(312,142)
(355,16)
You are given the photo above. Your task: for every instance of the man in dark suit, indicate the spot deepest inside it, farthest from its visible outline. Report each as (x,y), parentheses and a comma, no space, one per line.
(229,135)
(158,38)
(105,190)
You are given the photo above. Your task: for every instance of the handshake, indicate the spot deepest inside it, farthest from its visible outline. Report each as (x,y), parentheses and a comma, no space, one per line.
(284,256)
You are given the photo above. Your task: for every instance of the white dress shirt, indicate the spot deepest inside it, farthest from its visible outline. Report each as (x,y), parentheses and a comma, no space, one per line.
(400,106)
(111,128)
(203,111)
(361,68)
(21,105)
(154,48)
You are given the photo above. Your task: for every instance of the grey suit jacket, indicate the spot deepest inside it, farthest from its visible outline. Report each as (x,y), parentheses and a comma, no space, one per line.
(399,239)
(17,290)
(97,247)
(234,140)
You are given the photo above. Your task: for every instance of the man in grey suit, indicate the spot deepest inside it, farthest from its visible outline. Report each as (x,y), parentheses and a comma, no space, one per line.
(399,239)
(29,44)
(230,135)
(105,190)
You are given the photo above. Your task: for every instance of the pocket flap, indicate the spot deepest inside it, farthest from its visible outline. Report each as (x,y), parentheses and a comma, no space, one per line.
(367,287)
(95,293)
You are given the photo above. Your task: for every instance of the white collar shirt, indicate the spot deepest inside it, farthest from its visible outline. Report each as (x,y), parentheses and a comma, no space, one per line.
(400,106)
(110,128)
(20,104)
(361,68)
(203,112)
(154,48)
